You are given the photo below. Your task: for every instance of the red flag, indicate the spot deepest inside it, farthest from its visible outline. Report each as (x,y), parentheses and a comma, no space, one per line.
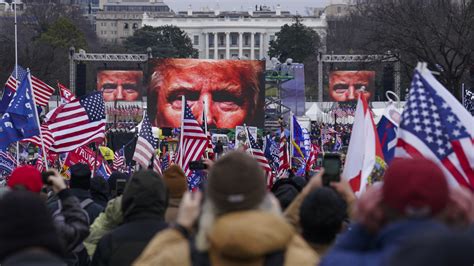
(66,94)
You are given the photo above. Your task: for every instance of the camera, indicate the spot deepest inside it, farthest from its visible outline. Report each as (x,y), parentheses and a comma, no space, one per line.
(45,177)
(197,165)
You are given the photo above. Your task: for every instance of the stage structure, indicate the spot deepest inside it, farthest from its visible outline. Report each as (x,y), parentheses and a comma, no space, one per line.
(274,79)
(83,56)
(332,58)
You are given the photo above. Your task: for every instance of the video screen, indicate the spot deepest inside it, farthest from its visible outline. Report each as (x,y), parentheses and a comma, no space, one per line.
(120,85)
(347,85)
(232,91)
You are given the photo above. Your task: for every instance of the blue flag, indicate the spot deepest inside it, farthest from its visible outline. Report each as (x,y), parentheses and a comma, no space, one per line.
(272,150)
(298,138)
(19,120)
(387,131)
(11,87)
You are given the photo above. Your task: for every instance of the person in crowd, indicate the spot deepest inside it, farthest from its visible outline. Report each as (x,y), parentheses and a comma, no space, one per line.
(143,206)
(240,223)
(176,183)
(218,149)
(231,90)
(100,190)
(285,190)
(71,222)
(120,85)
(117,182)
(80,184)
(414,193)
(23,241)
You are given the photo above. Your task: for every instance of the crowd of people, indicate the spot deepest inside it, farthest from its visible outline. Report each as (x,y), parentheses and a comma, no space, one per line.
(413,217)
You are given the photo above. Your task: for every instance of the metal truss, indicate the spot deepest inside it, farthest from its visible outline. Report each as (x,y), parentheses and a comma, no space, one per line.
(110,57)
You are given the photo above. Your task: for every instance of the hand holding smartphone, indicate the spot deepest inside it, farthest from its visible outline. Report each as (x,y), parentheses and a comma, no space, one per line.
(332,168)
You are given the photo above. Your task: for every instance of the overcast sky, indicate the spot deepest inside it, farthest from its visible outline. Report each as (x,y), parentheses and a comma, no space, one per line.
(231,5)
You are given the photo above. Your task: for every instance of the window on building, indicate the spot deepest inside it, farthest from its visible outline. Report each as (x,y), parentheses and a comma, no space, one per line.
(339,10)
(233,38)
(196,40)
(135,26)
(221,56)
(211,40)
(257,39)
(125,26)
(221,40)
(246,40)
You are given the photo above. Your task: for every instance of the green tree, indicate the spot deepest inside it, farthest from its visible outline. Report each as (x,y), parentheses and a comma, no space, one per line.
(165,41)
(295,41)
(64,34)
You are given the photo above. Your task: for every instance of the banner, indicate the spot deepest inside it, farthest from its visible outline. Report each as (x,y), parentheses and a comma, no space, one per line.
(241,139)
(81,155)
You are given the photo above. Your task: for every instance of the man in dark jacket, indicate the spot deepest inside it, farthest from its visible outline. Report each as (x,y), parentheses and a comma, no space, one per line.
(80,184)
(414,194)
(143,205)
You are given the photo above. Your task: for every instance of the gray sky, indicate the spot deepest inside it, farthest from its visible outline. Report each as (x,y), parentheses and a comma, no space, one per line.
(230,5)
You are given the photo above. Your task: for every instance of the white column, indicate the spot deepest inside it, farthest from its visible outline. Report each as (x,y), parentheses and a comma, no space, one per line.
(252,45)
(206,44)
(227,45)
(241,42)
(216,44)
(262,40)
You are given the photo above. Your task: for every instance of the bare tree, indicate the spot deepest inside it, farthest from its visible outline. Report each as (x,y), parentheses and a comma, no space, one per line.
(439,32)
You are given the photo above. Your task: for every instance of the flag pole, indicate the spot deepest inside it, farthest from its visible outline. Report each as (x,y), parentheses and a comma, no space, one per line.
(37,119)
(204,119)
(181,137)
(291,139)
(248,138)
(16,77)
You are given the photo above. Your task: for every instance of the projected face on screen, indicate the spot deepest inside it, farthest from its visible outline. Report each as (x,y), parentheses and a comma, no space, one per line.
(347,85)
(120,85)
(229,90)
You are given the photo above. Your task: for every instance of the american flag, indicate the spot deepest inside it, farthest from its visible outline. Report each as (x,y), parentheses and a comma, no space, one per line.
(283,165)
(165,162)
(313,157)
(40,162)
(256,151)
(41,90)
(7,156)
(194,141)
(119,159)
(157,165)
(47,138)
(78,123)
(146,144)
(436,126)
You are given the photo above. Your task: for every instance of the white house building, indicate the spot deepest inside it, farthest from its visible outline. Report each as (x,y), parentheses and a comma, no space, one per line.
(229,34)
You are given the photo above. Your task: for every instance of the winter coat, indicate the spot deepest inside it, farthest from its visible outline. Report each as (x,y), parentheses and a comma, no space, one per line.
(33,257)
(93,210)
(358,247)
(172,210)
(239,238)
(143,206)
(73,229)
(107,221)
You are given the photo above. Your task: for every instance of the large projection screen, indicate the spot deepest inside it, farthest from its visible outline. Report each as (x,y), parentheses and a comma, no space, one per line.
(121,85)
(347,85)
(232,91)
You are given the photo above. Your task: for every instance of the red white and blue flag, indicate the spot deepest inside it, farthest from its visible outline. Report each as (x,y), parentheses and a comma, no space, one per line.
(146,144)
(194,143)
(256,151)
(119,160)
(436,126)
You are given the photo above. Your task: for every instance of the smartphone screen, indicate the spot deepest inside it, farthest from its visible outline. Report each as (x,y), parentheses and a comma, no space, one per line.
(332,168)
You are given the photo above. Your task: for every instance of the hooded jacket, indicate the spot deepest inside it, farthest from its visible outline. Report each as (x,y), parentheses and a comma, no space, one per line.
(238,238)
(143,207)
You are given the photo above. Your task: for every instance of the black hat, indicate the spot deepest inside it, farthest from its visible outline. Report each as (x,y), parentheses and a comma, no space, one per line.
(17,229)
(80,176)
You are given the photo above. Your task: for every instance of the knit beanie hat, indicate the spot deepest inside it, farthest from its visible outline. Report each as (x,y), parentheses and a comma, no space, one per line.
(80,176)
(26,176)
(175,181)
(236,182)
(17,229)
(415,187)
